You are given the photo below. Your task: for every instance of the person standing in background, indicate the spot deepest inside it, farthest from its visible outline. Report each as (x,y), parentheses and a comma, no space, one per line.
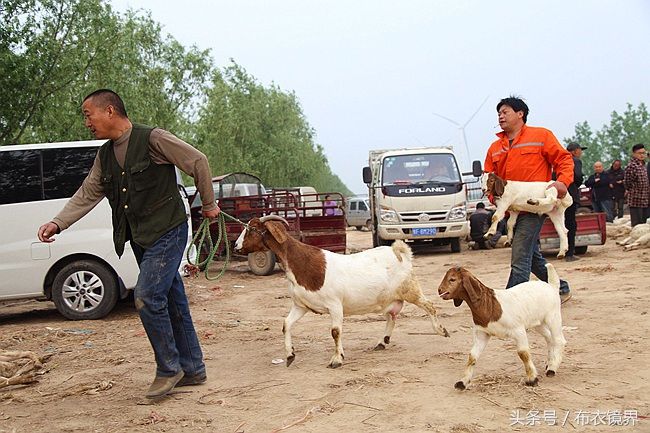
(574,191)
(601,191)
(616,177)
(637,186)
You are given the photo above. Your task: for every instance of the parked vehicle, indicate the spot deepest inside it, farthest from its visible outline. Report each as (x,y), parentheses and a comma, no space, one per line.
(585,205)
(417,195)
(307,223)
(80,271)
(357,212)
(591,230)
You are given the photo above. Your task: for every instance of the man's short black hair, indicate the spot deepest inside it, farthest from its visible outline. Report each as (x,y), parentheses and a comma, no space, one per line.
(516,103)
(105,97)
(637,147)
(480,205)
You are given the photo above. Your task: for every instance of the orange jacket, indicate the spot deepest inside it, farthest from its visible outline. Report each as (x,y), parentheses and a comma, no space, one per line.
(534,154)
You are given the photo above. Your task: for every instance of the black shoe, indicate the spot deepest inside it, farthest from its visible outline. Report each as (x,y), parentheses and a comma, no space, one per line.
(196,379)
(571,258)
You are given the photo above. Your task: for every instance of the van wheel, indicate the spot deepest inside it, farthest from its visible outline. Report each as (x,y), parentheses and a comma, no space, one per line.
(455,245)
(261,262)
(84,290)
(369,225)
(358,227)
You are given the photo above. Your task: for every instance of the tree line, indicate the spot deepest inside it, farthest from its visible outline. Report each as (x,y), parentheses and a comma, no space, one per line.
(54,52)
(613,140)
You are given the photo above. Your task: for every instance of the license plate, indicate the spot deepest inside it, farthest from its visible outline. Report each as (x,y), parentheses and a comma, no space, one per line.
(425,231)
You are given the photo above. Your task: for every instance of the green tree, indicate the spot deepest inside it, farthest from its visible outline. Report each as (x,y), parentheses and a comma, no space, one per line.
(615,140)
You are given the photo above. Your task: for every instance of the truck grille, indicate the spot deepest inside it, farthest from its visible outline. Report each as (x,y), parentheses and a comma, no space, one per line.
(414,217)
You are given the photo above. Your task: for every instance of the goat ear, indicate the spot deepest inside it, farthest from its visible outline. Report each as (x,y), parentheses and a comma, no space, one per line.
(278,233)
(499,186)
(471,285)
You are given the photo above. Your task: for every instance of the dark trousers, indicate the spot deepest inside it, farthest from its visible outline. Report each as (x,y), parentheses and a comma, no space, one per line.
(526,257)
(572,226)
(639,215)
(618,207)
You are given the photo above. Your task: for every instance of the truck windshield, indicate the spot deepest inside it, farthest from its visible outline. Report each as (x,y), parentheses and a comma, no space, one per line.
(436,168)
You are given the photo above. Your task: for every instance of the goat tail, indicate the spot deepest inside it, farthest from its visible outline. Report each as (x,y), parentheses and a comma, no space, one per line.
(401,250)
(553,277)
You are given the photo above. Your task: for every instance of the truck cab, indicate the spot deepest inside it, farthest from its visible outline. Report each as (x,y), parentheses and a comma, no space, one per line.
(416,195)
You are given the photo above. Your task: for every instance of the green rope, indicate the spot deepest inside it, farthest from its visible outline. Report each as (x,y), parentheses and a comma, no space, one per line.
(203,235)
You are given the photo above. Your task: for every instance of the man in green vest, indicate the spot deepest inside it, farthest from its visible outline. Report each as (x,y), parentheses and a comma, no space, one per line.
(135,171)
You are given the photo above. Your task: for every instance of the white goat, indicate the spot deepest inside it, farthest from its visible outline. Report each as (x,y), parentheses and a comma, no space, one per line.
(372,281)
(639,238)
(507,314)
(535,197)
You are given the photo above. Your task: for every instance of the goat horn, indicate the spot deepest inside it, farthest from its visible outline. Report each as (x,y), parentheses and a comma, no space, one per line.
(273,217)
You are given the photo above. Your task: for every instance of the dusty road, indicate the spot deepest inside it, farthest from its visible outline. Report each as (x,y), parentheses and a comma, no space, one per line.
(99,370)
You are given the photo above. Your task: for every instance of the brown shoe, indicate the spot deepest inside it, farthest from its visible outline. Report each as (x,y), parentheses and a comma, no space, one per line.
(163,384)
(195,379)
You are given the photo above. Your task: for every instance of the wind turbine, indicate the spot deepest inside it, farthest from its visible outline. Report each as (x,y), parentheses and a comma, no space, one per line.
(462,127)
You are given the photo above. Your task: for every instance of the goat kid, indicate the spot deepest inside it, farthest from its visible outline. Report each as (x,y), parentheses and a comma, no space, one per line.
(372,281)
(639,237)
(508,314)
(534,197)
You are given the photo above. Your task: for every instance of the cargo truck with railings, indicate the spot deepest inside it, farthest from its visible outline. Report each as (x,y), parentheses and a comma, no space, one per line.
(417,195)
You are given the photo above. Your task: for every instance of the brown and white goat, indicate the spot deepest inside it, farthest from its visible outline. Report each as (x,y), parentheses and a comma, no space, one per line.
(535,197)
(508,314)
(378,280)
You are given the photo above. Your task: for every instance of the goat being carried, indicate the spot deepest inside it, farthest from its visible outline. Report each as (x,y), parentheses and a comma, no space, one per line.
(372,281)
(535,197)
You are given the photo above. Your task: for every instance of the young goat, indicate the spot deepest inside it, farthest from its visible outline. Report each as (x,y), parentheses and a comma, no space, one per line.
(507,314)
(639,237)
(535,197)
(372,281)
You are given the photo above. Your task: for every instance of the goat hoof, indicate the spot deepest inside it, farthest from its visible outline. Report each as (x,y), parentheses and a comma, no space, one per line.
(290,359)
(380,346)
(507,244)
(335,364)
(533,382)
(459,385)
(444,332)
(560,256)
(532,202)
(550,373)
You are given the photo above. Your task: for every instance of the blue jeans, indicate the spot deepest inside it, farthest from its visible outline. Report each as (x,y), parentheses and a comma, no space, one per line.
(604,206)
(163,307)
(526,257)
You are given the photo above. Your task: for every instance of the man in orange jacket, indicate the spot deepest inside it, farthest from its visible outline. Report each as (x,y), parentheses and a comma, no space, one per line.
(532,154)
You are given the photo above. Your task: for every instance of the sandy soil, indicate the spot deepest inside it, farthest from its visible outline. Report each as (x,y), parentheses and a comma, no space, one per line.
(99,370)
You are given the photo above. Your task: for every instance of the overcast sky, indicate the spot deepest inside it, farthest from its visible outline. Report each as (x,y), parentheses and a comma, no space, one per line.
(371,74)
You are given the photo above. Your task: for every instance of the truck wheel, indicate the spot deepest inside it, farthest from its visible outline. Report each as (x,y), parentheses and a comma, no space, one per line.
(581,250)
(379,242)
(261,262)
(455,245)
(84,290)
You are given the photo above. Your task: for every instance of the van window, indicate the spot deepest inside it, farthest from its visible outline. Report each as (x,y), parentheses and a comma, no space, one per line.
(20,176)
(362,205)
(353,205)
(64,170)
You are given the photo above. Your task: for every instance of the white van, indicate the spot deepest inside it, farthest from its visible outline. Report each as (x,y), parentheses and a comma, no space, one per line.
(80,271)
(357,212)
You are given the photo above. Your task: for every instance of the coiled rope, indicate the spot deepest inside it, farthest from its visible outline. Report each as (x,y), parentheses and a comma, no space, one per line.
(203,235)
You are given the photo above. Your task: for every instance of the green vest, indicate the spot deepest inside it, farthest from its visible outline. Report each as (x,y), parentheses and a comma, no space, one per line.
(143,195)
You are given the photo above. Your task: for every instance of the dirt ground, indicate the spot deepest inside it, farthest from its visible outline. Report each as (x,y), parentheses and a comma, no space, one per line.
(99,370)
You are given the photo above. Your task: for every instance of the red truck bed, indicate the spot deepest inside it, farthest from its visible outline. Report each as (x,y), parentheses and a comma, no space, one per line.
(591,231)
